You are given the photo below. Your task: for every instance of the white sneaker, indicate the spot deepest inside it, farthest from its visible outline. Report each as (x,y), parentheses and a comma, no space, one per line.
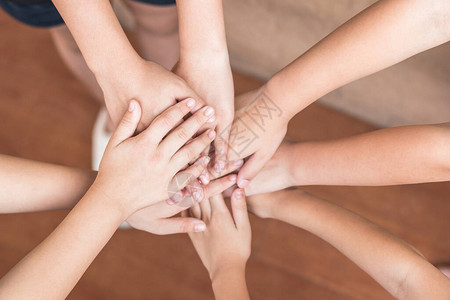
(100,139)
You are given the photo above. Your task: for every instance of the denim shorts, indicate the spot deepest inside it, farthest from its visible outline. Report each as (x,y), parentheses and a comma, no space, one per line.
(42,13)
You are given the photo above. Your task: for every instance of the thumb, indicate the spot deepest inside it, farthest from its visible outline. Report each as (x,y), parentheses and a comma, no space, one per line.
(239,208)
(128,124)
(251,168)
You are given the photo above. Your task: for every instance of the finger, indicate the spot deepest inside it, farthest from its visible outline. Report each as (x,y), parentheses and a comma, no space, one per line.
(127,126)
(183,133)
(221,149)
(181,225)
(219,185)
(217,203)
(195,211)
(167,120)
(185,178)
(206,209)
(239,209)
(188,152)
(204,177)
(194,194)
(229,167)
(165,210)
(251,168)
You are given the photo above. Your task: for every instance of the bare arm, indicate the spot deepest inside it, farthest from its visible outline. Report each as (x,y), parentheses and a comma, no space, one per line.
(205,65)
(382,157)
(121,73)
(397,266)
(384,34)
(37,186)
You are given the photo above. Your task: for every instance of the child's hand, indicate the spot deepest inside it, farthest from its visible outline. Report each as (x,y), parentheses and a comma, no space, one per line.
(213,81)
(277,174)
(156,218)
(154,87)
(135,171)
(258,128)
(225,244)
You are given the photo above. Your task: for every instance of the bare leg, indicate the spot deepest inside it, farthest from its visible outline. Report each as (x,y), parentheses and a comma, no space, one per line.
(157,32)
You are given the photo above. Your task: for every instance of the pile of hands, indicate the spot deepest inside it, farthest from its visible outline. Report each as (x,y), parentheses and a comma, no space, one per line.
(179,147)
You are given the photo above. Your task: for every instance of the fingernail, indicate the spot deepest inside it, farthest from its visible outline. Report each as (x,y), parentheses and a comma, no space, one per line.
(197,196)
(190,103)
(233,178)
(211,134)
(204,179)
(238,163)
(199,227)
(212,120)
(206,160)
(217,168)
(209,111)
(243,183)
(132,106)
(170,201)
(238,194)
(177,197)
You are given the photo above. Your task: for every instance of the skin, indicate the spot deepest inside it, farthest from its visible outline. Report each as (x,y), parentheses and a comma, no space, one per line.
(120,72)
(224,247)
(399,268)
(205,65)
(383,157)
(354,50)
(156,155)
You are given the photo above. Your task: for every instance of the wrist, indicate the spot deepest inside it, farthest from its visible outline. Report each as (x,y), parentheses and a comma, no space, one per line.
(278,91)
(228,269)
(114,68)
(115,208)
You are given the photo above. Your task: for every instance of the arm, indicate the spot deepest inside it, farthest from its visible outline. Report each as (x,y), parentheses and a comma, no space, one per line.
(120,72)
(224,247)
(382,157)
(398,267)
(386,33)
(53,268)
(204,64)
(36,186)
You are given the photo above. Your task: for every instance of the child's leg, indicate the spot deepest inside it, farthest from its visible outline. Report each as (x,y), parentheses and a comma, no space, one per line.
(157,30)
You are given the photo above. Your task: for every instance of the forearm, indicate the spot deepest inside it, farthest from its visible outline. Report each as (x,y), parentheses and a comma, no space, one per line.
(99,35)
(383,157)
(398,267)
(384,34)
(53,268)
(201,28)
(230,283)
(36,186)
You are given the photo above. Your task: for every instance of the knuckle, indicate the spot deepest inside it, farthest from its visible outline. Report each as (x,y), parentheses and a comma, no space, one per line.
(182,133)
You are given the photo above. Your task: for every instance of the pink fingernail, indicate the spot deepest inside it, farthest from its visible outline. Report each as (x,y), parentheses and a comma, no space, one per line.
(190,103)
(177,197)
(233,178)
(204,179)
(209,111)
(132,106)
(199,227)
(206,160)
(211,134)
(243,183)
(238,194)
(238,163)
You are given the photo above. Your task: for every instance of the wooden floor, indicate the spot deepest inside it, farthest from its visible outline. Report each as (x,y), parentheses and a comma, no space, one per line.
(46,115)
